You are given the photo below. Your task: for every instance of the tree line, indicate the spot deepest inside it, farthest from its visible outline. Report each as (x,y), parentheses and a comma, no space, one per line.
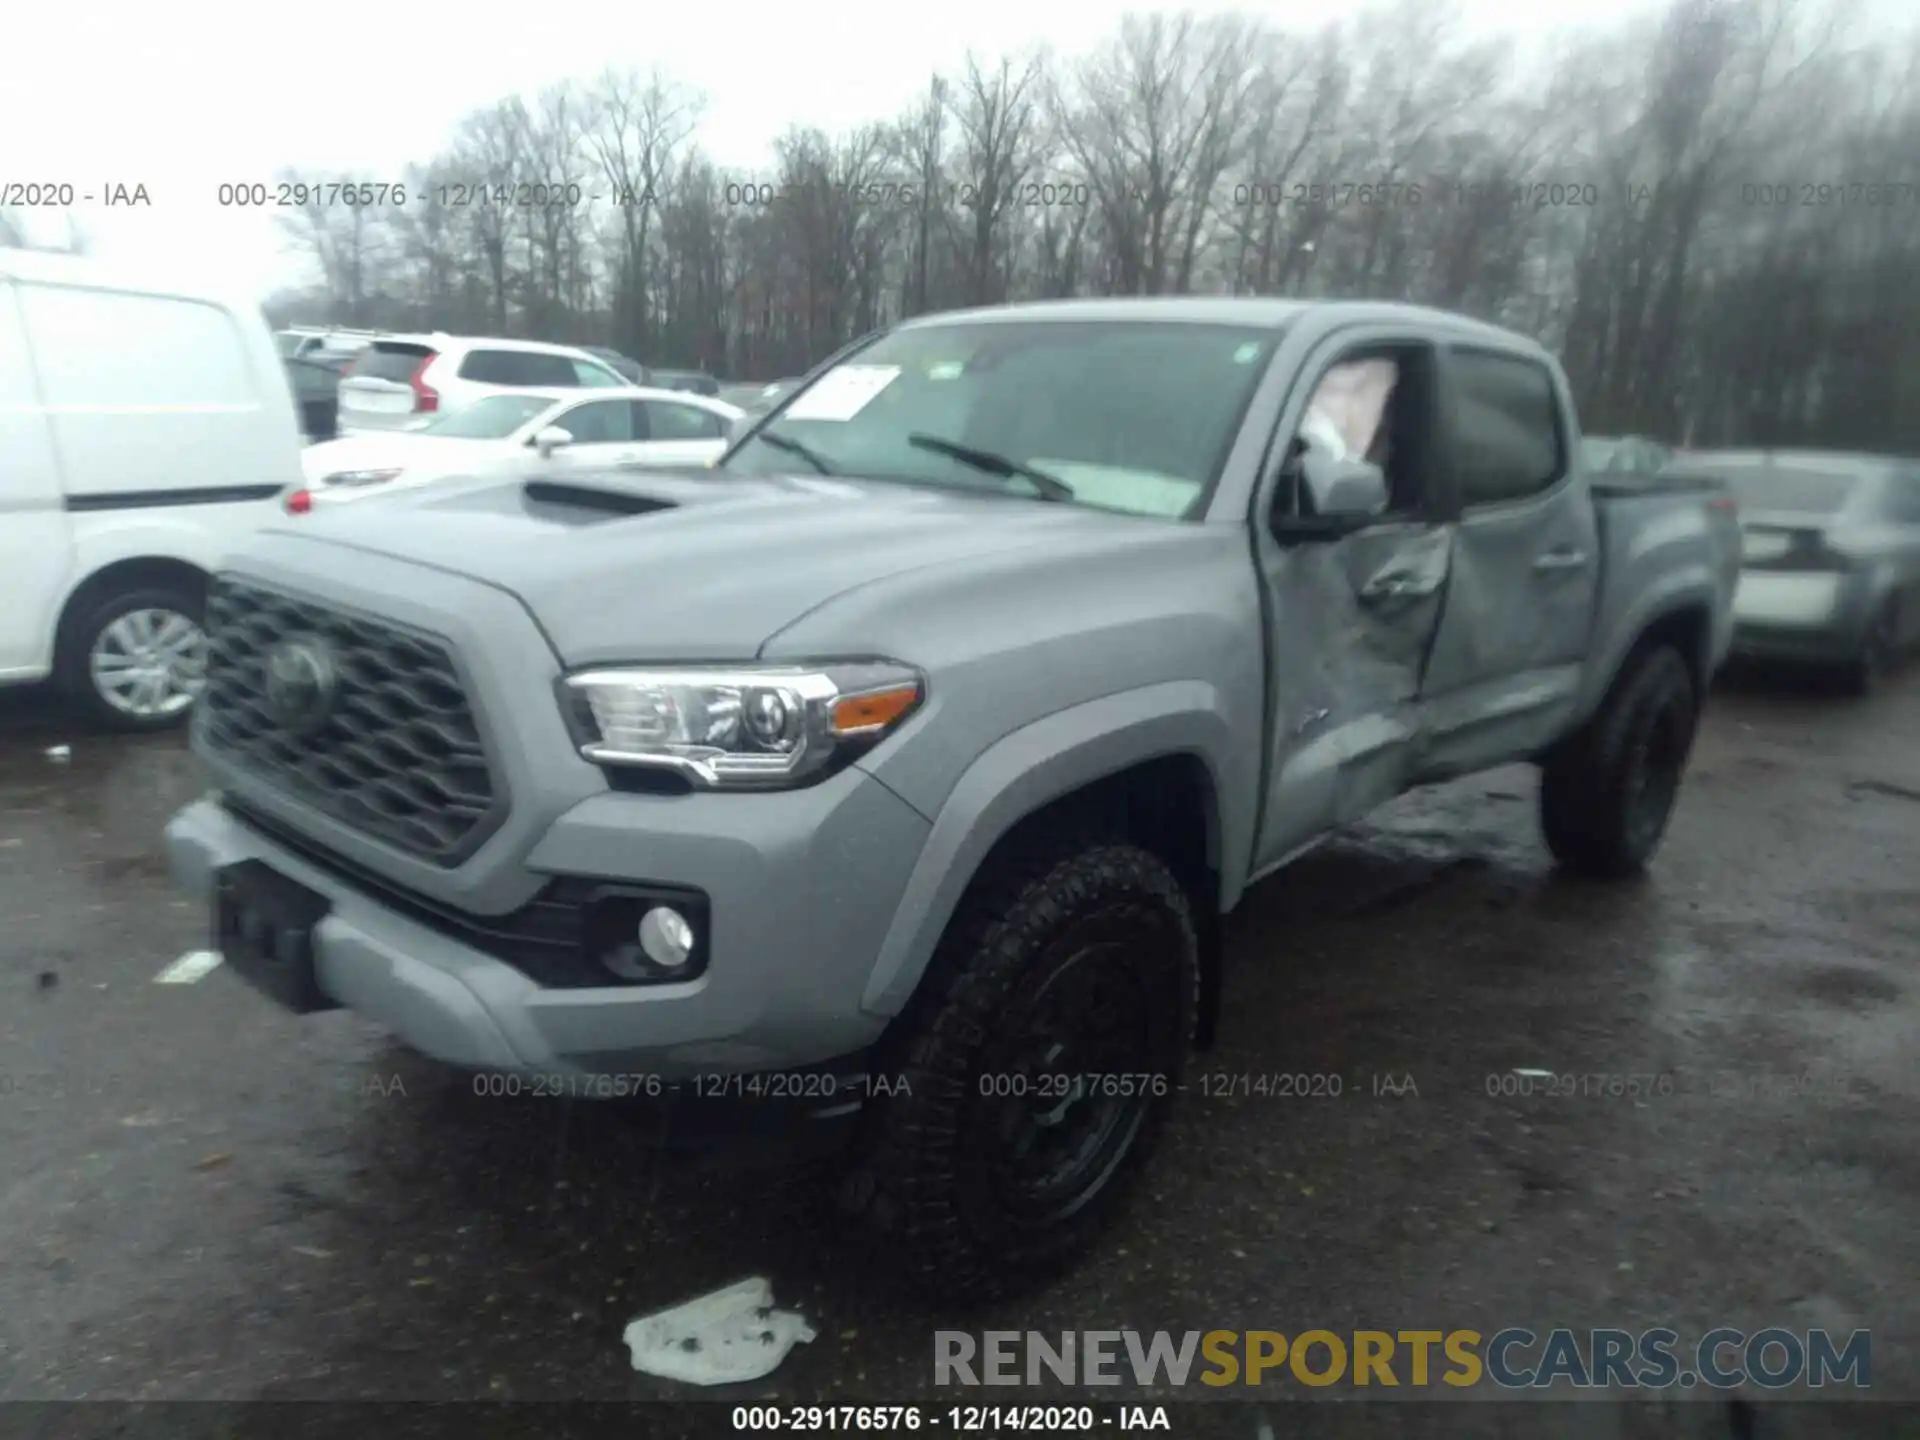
(1711,213)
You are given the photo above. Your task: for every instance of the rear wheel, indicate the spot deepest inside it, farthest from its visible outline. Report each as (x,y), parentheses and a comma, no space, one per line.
(1039,1065)
(1607,793)
(1878,651)
(136,660)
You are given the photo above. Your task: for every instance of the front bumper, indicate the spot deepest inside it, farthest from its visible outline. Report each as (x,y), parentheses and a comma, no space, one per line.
(800,885)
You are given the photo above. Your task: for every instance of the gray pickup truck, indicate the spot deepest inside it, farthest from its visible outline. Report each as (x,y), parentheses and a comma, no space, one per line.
(898,771)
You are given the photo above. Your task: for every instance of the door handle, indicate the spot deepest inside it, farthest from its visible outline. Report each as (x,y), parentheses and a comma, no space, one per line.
(1565,558)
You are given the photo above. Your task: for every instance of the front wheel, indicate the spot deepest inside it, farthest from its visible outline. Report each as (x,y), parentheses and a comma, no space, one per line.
(1039,1065)
(137,660)
(1607,793)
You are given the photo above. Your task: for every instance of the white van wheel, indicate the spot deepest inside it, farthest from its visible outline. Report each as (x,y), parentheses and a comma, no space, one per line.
(138,660)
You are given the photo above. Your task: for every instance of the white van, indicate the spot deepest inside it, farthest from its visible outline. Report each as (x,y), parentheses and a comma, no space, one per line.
(144,427)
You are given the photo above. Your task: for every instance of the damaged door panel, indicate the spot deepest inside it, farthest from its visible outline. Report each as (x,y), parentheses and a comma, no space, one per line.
(1507,662)
(1354,606)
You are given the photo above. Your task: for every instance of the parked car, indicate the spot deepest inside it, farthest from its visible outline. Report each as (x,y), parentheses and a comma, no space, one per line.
(696,381)
(1623,455)
(917,763)
(398,380)
(535,432)
(1830,574)
(630,369)
(122,480)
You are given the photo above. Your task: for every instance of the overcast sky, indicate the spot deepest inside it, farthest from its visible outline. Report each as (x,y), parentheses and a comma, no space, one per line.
(183,96)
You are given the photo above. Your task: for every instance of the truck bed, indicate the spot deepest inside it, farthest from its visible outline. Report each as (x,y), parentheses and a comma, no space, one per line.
(1656,531)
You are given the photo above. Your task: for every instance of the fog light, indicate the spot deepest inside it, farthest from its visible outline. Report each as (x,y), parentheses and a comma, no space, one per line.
(666,937)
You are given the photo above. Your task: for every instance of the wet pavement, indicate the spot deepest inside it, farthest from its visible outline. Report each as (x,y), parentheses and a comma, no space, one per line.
(204,1198)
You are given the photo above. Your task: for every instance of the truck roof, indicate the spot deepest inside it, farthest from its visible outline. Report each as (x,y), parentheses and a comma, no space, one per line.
(1236,310)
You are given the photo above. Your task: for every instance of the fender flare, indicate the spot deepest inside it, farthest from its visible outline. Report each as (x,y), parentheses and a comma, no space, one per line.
(1028,769)
(1689,588)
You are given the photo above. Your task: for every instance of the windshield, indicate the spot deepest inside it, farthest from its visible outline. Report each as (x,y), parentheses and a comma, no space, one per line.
(494,418)
(1133,416)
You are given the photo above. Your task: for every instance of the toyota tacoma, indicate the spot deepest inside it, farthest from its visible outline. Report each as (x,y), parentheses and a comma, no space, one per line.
(899,769)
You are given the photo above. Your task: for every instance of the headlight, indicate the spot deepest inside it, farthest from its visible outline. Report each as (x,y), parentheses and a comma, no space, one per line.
(749,728)
(360,477)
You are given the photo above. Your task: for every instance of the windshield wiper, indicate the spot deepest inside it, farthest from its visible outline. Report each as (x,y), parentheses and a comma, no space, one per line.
(1051,487)
(795,447)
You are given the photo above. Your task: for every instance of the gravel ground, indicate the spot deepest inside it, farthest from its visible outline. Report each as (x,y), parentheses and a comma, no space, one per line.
(202,1198)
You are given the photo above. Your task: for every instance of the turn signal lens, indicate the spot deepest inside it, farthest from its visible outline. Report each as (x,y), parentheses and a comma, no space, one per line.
(873,711)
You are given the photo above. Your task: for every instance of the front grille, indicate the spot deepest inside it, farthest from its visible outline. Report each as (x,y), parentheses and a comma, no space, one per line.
(394,751)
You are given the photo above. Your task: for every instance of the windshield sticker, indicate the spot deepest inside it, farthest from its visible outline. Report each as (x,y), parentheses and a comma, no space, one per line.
(1247,353)
(945,370)
(842,393)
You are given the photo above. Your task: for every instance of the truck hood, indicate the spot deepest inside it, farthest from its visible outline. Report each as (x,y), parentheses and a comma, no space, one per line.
(670,564)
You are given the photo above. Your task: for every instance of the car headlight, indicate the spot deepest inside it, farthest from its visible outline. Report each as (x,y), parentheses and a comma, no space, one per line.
(752,727)
(360,477)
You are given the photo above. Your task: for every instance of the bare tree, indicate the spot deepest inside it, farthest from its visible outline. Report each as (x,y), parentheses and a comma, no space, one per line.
(637,129)
(1709,212)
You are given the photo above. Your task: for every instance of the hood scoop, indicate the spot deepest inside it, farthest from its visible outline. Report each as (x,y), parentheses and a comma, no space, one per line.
(580,504)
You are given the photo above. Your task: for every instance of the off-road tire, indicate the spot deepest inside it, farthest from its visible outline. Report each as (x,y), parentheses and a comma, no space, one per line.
(928,1164)
(72,665)
(1591,785)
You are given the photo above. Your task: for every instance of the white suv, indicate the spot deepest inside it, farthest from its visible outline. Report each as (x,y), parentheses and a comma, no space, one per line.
(398,380)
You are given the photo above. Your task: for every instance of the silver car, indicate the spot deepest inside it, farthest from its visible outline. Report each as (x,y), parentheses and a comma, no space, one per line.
(1830,568)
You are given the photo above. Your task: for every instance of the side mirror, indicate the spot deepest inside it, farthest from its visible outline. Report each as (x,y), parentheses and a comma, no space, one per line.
(1344,489)
(551,439)
(1341,494)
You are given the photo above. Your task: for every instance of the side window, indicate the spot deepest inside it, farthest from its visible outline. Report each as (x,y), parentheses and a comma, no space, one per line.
(596,377)
(490,367)
(1374,406)
(598,422)
(545,369)
(667,421)
(516,367)
(1506,427)
(1902,502)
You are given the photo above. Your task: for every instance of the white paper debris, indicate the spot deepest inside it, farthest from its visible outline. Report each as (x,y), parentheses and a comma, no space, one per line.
(721,1338)
(60,754)
(192,966)
(842,393)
